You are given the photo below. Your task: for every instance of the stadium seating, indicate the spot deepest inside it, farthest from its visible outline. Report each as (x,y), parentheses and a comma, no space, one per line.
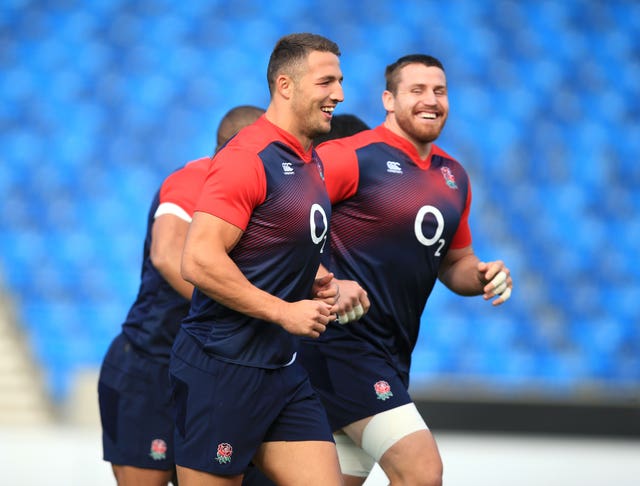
(98,103)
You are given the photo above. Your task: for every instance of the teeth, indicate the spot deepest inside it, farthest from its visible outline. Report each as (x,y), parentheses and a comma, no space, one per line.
(328,110)
(428,116)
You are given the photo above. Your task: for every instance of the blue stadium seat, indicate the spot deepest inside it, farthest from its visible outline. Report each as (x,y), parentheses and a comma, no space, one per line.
(127,92)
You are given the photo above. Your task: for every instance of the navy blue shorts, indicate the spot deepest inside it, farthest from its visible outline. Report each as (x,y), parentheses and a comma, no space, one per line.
(354,381)
(135,409)
(225,411)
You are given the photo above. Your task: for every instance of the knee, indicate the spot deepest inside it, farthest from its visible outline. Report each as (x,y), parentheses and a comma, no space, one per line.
(432,477)
(415,478)
(426,472)
(429,473)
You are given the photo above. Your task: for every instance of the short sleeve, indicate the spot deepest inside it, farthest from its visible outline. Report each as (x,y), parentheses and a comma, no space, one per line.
(340,169)
(462,238)
(179,191)
(234,186)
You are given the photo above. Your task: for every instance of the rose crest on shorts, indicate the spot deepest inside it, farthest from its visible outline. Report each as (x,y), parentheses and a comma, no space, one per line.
(224,453)
(158,449)
(383,390)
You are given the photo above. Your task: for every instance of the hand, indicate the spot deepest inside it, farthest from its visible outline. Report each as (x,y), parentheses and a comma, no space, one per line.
(307,317)
(498,281)
(326,289)
(353,302)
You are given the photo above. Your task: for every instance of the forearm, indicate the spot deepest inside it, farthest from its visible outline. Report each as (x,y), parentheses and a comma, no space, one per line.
(461,276)
(222,280)
(167,241)
(170,271)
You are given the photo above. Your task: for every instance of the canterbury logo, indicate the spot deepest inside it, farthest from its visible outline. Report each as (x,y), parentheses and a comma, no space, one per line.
(287,168)
(394,167)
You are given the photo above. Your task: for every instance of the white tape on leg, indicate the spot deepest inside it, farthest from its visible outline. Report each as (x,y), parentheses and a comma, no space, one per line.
(353,460)
(388,427)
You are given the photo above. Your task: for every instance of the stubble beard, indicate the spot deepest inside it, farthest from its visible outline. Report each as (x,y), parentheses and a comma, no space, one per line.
(420,134)
(308,115)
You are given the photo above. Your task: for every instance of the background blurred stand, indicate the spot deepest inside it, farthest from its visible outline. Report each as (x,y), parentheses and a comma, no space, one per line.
(23,399)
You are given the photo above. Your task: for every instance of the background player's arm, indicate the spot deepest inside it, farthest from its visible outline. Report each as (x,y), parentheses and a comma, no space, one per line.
(463,273)
(168,235)
(207,265)
(325,287)
(351,301)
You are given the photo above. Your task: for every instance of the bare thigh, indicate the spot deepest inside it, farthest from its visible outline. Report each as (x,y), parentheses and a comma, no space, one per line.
(193,477)
(353,480)
(356,429)
(304,462)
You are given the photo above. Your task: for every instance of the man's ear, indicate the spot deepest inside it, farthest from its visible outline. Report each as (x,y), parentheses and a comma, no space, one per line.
(388,101)
(284,86)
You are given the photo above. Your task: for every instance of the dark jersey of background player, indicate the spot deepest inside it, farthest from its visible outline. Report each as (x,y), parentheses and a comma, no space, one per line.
(154,318)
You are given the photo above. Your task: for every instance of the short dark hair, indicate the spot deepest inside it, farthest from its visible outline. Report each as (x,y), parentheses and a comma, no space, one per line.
(291,50)
(342,125)
(234,120)
(391,74)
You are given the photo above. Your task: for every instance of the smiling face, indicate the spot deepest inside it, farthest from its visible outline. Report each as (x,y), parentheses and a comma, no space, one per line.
(419,106)
(317,89)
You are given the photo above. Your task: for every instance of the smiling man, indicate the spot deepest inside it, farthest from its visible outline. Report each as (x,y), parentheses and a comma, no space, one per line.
(253,252)
(399,222)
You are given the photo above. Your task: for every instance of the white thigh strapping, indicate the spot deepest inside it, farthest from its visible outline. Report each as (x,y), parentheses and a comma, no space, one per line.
(353,460)
(387,428)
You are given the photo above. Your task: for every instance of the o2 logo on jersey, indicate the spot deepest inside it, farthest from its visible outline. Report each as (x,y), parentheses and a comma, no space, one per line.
(417,227)
(318,231)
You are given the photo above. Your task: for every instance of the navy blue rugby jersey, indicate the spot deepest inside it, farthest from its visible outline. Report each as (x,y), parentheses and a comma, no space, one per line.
(395,215)
(154,318)
(264,183)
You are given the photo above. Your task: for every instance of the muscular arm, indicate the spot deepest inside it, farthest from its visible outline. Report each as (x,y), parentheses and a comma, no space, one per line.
(207,265)
(168,235)
(463,273)
(458,271)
